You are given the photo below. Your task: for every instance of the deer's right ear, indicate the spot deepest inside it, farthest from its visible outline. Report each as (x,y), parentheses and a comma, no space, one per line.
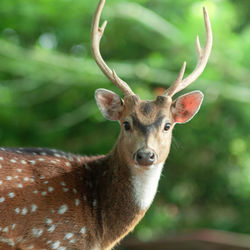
(110,104)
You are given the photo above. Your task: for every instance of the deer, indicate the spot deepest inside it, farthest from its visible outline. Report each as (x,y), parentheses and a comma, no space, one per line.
(50,199)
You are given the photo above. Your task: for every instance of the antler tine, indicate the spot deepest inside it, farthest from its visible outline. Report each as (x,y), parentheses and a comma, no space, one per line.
(203,55)
(96,36)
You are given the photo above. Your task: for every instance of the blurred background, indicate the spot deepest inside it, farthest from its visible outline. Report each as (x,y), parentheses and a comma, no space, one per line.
(48,79)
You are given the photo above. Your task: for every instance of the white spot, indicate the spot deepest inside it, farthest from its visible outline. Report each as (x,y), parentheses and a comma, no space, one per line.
(35,192)
(1,166)
(83,230)
(55,245)
(50,189)
(30,247)
(25,178)
(11,195)
(1,158)
(37,232)
(41,159)
(77,202)
(45,182)
(24,211)
(19,185)
(49,241)
(32,162)
(23,162)
(52,210)
(19,170)
(16,176)
(74,190)
(84,198)
(57,155)
(72,241)
(48,221)
(78,159)
(17,210)
(6,229)
(8,178)
(44,193)
(63,209)
(67,164)
(13,160)
(63,183)
(65,189)
(145,185)
(10,242)
(94,203)
(2,199)
(13,226)
(32,179)
(62,248)
(51,228)
(1,182)
(41,177)
(33,208)
(68,236)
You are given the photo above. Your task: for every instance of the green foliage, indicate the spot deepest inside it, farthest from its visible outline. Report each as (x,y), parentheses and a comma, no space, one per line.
(48,79)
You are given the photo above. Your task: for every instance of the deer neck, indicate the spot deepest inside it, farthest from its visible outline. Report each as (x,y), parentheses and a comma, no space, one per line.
(129,193)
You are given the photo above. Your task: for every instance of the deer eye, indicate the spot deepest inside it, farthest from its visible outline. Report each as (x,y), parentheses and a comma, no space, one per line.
(167,126)
(126,126)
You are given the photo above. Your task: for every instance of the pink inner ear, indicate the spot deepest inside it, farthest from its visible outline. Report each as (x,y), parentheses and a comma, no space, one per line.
(186,106)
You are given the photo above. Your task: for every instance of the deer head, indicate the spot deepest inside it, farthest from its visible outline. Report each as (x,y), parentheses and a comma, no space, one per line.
(146,126)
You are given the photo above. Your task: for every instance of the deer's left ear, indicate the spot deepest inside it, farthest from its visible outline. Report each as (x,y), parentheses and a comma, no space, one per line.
(186,106)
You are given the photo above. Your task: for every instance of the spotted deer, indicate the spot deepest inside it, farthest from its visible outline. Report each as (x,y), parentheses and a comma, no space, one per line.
(55,200)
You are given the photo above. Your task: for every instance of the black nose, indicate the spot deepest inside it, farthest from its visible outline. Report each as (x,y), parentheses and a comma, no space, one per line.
(145,157)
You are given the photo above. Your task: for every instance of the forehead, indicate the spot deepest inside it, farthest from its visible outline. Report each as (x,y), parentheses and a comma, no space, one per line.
(147,112)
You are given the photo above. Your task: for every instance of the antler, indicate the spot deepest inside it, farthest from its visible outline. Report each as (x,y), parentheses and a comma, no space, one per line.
(203,55)
(96,36)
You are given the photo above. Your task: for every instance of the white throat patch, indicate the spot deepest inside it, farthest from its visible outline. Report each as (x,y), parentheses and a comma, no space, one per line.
(145,185)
